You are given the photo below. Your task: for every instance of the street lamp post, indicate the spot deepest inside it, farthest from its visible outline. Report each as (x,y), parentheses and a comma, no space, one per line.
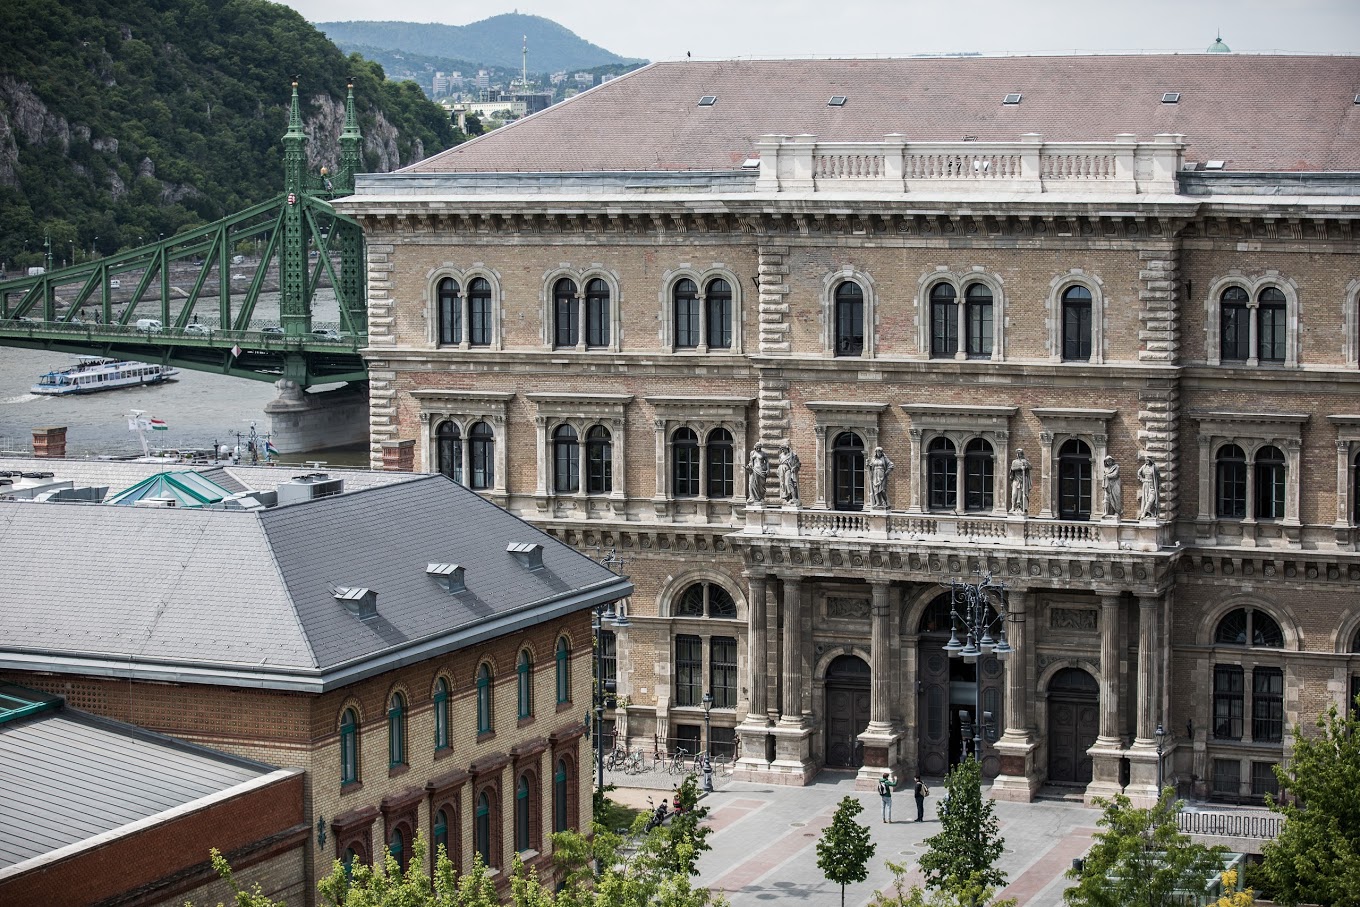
(603,613)
(708,738)
(977,609)
(1161,738)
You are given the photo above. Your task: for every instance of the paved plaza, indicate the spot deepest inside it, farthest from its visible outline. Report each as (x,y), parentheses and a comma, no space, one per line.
(764,840)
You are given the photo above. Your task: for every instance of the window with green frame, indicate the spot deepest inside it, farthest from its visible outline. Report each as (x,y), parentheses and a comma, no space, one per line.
(523,812)
(482,829)
(441,714)
(560,793)
(563,657)
(441,832)
(349,747)
(484,723)
(524,684)
(396,731)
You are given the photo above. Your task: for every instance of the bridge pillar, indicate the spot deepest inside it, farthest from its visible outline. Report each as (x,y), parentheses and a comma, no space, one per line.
(303,422)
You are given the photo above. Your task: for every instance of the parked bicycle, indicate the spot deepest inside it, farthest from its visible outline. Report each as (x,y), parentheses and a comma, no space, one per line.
(635,764)
(616,759)
(677,762)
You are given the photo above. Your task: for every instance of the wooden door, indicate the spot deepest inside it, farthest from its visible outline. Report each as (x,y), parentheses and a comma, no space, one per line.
(847,710)
(933,711)
(1073,723)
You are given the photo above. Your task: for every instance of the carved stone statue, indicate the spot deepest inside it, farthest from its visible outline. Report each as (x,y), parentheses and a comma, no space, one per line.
(789,465)
(880,467)
(1020,481)
(1113,487)
(757,473)
(1149,479)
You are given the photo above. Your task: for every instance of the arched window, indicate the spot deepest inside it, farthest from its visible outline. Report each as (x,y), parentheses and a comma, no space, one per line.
(441,834)
(943,475)
(524,684)
(1076,324)
(479,312)
(1234,321)
(1270,325)
(1355,643)
(847,468)
(1242,624)
(979,477)
(849,319)
(705,600)
(351,859)
(979,320)
(349,747)
(566,460)
(396,845)
(449,444)
(685,463)
(484,701)
(560,796)
(482,829)
(718,303)
(566,314)
(1249,627)
(1230,482)
(597,313)
(938,616)
(944,321)
(685,297)
(599,460)
(450,312)
(441,714)
(396,731)
(482,452)
(1269,484)
(523,814)
(718,452)
(563,663)
(1074,481)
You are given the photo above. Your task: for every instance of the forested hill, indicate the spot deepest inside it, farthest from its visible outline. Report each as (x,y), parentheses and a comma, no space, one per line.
(492,42)
(122,119)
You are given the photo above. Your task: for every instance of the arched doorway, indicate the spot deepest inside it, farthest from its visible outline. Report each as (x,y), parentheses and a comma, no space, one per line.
(947,693)
(1073,723)
(847,710)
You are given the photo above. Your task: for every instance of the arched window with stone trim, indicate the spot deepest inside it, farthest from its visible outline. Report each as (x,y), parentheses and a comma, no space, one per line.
(849,317)
(718,312)
(847,472)
(441,714)
(1234,319)
(1230,482)
(979,475)
(566,314)
(525,837)
(480,312)
(942,474)
(597,313)
(685,305)
(1076,324)
(450,312)
(485,692)
(979,320)
(482,452)
(349,747)
(718,452)
(1272,333)
(449,450)
(561,796)
(483,828)
(396,731)
(1253,629)
(684,463)
(1074,480)
(705,599)
(944,321)
(1270,483)
(599,460)
(566,460)
(524,685)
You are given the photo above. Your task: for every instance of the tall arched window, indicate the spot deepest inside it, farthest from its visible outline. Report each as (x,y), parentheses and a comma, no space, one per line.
(562,657)
(561,816)
(396,845)
(1076,324)
(685,463)
(718,305)
(566,460)
(479,312)
(396,731)
(944,321)
(979,477)
(942,474)
(1270,325)
(979,320)
(484,700)
(1074,481)
(599,460)
(524,684)
(441,714)
(847,470)
(523,814)
(1234,323)
(566,314)
(1230,482)
(450,312)
(449,444)
(597,313)
(685,298)
(718,452)
(349,747)
(849,319)
(441,834)
(705,600)
(1255,629)
(482,829)
(482,452)
(1270,480)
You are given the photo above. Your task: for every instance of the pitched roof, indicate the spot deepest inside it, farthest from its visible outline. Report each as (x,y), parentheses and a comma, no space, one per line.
(187,488)
(1256,112)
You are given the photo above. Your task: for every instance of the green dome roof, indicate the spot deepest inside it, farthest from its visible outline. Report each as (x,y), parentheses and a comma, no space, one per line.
(1218,47)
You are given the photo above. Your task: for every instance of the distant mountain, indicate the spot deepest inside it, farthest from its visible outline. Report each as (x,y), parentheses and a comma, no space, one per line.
(492,42)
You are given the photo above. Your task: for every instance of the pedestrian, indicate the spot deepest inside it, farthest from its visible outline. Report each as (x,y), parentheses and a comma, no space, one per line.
(885,790)
(921,792)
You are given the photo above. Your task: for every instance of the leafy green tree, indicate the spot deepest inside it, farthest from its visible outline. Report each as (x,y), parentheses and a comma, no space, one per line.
(1316,858)
(964,853)
(683,836)
(844,850)
(970,895)
(1140,857)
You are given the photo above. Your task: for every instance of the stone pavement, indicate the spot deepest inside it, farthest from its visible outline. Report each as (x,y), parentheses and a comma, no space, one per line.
(765,836)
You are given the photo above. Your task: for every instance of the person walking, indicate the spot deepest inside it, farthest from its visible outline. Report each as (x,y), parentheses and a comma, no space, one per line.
(885,790)
(921,792)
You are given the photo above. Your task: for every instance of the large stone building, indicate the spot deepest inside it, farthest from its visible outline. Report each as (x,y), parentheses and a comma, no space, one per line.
(1100,313)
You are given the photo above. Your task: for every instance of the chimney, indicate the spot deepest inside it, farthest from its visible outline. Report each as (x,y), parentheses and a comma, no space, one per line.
(363,603)
(399,456)
(450,576)
(49,443)
(530,556)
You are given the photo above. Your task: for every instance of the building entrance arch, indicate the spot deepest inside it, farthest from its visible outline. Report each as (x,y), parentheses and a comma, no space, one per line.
(1073,723)
(947,695)
(847,710)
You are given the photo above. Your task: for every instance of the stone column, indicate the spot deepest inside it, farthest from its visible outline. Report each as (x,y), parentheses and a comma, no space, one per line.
(1142,788)
(1108,751)
(880,693)
(1018,779)
(791,705)
(1046,508)
(756,644)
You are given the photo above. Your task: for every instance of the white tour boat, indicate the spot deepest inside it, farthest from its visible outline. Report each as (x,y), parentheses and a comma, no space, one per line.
(93,373)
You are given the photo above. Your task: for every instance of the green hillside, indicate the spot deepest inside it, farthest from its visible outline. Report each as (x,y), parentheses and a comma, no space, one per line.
(122,120)
(492,42)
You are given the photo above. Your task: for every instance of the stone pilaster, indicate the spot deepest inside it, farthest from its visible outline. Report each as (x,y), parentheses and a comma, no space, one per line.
(382,413)
(1108,750)
(1143,754)
(791,701)
(1159,401)
(754,731)
(775,338)
(1019,778)
(882,738)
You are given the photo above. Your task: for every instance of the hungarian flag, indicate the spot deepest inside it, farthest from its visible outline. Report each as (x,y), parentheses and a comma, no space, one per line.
(269,448)
(159,425)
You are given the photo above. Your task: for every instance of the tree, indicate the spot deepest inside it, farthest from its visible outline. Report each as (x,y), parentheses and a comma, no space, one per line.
(964,854)
(1140,857)
(683,838)
(971,895)
(844,851)
(1316,858)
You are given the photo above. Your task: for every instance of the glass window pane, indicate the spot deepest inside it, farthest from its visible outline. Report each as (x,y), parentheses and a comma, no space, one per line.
(724,671)
(1228,702)
(688,670)
(450,312)
(979,315)
(686,314)
(566,314)
(849,320)
(479,312)
(1267,705)
(1076,324)
(719,315)
(597,313)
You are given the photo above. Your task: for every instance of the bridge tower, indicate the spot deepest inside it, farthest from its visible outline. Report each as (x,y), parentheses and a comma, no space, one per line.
(295,297)
(349,239)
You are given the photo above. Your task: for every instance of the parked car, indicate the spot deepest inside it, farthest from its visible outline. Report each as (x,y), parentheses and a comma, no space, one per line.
(200,329)
(327,334)
(149,325)
(271,329)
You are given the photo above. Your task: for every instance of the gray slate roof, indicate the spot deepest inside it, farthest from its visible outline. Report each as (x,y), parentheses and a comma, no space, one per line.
(246,597)
(66,776)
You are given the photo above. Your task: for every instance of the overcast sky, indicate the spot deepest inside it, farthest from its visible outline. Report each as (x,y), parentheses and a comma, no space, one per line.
(708,29)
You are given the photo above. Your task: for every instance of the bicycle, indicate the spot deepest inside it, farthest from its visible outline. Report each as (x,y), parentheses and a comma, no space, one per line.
(616,759)
(635,764)
(677,762)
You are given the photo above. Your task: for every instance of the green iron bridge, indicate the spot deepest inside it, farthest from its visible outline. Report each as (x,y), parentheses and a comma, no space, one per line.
(295,308)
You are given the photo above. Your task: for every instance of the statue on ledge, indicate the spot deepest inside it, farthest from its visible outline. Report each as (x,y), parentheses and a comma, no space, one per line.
(880,467)
(1113,488)
(757,473)
(1149,493)
(1020,481)
(789,464)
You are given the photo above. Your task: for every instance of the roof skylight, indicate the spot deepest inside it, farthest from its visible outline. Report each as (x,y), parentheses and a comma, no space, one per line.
(708,100)
(1171,97)
(837,100)
(1012,98)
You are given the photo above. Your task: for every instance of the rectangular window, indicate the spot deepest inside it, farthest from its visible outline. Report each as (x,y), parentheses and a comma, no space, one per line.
(1270,333)
(944,328)
(1228,701)
(1232,489)
(597,320)
(609,657)
(686,471)
(1235,328)
(850,327)
(1227,777)
(979,330)
(720,470)
(723,666)
(1263,780)
(1267,705)
(687,322)
(1077,331)
(566,467)
(689,670)
(1269,490)
(599,468)
(723,741)
(944,483)
(979,482)
(450,309)
(566,316)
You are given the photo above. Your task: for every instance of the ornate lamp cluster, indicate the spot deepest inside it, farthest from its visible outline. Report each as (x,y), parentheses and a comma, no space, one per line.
(977,609)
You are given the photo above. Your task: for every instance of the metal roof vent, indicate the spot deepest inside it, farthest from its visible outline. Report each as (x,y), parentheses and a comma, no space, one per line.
(450,576)
(708,100)
(529,555)
(1213,165)
(1171,97)
(1012,98)
(363,603)
(837,100)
